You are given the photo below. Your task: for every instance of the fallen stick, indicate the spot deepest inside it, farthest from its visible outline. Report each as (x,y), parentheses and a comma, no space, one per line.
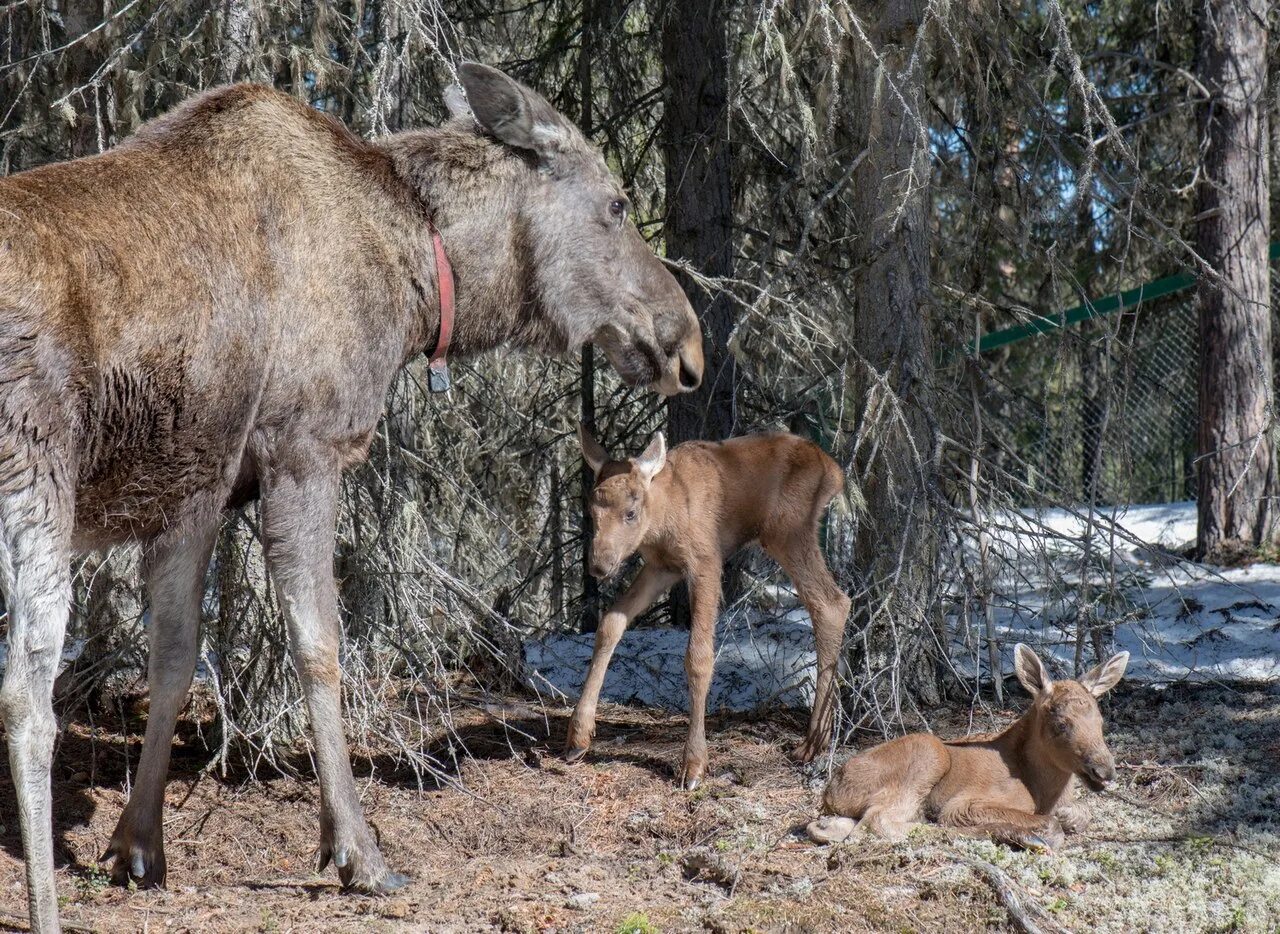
(1028,918)
(20,923)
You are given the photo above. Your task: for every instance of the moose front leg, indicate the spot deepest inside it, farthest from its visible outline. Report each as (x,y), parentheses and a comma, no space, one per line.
(299,511)
(175,568)
(650,584)
(704,593)
(1005,824)
(35,578)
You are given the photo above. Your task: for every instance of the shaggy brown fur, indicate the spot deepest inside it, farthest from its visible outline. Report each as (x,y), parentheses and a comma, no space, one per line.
(687,514)
(1016,787)
(214,311)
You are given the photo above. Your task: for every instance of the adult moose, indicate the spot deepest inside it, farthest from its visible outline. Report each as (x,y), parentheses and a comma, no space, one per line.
(214,311)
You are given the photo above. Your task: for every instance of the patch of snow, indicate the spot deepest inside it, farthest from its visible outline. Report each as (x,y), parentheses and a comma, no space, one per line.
(1178,620)
(759,662)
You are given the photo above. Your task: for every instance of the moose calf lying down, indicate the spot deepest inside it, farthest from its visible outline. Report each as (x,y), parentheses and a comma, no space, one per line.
(1016,786)
(686,514)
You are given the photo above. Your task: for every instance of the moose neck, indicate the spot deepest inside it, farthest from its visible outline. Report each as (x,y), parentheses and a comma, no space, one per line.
(667,505)
(1024,743)
(471,188)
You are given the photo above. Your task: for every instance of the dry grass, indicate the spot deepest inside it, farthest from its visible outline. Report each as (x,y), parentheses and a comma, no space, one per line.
(1187,842)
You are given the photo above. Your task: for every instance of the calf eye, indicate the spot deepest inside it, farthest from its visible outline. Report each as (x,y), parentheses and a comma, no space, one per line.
(618,208)
(631,515)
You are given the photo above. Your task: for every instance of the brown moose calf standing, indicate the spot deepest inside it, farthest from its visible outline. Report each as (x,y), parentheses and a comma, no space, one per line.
(1016,786)
(686,514)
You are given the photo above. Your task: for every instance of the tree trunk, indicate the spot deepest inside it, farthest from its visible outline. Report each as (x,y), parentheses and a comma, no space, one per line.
(594,12)
(240,41)
(897,548)
(91,132)
(1237,471)
(387,106)
(699,223)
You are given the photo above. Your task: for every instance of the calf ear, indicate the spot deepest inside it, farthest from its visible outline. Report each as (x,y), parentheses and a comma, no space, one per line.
(653,458)
(1031,671)
(1102,678)
(595,455)
(511,112)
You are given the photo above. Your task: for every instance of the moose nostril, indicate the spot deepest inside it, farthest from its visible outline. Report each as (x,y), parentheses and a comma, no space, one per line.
(689,378)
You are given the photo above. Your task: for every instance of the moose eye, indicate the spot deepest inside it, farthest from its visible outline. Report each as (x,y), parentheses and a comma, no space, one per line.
(631,515)
(618,208)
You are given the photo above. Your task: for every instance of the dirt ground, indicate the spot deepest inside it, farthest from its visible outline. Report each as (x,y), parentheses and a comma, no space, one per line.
(1187,841)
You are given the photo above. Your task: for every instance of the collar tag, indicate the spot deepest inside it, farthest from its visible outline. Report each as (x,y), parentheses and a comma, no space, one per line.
(438,376)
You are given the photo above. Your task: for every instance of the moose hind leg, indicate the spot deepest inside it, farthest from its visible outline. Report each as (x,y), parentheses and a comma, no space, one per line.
(175,569)
(828,607)
(885,787)
(299,518)
(35,577)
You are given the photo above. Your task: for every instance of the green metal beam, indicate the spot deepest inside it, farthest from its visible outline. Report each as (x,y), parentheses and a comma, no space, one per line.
(1097,308)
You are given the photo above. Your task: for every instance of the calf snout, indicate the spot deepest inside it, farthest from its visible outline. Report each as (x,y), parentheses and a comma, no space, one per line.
(602,568)
(1099,770)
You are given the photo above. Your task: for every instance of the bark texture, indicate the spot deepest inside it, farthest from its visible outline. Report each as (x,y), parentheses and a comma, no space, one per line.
(1236,467)
(896,551)
(699,225)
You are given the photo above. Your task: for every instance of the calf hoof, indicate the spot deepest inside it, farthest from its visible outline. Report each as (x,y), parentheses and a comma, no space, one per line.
(575,754)
(361,867)
(831,829)
(1047,840)
(692,775)
(807,751)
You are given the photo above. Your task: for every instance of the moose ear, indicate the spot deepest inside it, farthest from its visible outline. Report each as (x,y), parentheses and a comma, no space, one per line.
(1102,678)
(455,101)
(1031,671)
(511,112)
(595,455)
(654,457)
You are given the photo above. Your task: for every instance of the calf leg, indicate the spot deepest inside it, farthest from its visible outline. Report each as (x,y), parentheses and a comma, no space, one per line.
(649,585)
(35,577)
(884,788)
(698,662)
(175,570)
(1074,816)
(299,511)
(828,608)
(1004,824)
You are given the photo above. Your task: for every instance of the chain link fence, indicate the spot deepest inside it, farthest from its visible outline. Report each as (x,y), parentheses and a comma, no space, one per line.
(1102,411)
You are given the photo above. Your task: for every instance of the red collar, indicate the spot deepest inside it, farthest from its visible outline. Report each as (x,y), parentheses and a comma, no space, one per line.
(438,373)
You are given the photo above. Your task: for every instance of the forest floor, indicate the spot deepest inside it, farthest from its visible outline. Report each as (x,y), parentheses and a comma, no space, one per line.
(1188,839)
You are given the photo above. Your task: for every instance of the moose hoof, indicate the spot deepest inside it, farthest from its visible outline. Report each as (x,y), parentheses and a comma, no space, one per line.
(831,829)
(134,863)
(576,754)
(361,867)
